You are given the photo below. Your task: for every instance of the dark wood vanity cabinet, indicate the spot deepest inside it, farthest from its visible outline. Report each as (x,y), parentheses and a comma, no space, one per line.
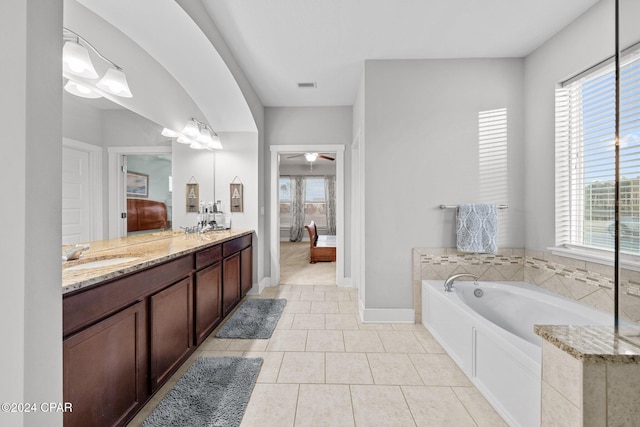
(230,282)
(171,330)
(246,270)
(232,269)
(125,337)
(105,370)
(208,291)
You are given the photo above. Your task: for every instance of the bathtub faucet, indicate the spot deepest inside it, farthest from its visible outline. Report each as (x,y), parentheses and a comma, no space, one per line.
(448,284)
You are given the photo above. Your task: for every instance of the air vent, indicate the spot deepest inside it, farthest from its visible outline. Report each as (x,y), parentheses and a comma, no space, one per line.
(308,85)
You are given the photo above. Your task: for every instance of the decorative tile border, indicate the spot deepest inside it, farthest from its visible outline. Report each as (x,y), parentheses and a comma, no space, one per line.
(471,259)
(574,273)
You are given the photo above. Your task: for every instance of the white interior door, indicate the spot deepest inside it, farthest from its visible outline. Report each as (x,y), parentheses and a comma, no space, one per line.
(76,200)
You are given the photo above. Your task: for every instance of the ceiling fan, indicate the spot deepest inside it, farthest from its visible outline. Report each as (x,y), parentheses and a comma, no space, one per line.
(312,157)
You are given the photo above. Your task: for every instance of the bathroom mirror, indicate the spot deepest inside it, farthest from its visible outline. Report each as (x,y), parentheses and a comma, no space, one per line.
(91,129)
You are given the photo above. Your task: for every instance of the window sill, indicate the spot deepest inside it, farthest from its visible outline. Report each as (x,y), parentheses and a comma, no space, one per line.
(598,256)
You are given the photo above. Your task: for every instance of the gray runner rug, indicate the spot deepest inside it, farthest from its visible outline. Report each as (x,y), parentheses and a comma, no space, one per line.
(256,318)
(213,392)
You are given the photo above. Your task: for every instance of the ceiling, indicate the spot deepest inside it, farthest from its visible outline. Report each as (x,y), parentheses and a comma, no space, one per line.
(165,31)
(279,43)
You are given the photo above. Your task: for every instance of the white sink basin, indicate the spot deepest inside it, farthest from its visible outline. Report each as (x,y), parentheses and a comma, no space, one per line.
(101,263)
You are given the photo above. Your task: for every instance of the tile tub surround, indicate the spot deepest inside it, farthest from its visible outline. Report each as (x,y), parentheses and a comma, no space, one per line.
(440,263)
(590,376)
(148,249)
(587,282)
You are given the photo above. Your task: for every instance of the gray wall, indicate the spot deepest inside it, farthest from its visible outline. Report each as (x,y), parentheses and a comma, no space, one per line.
(31,168)
(311,126)
(421,150)
(582,44)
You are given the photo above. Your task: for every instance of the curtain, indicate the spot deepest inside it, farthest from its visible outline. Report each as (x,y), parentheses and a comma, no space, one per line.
(297,209)
(330,194)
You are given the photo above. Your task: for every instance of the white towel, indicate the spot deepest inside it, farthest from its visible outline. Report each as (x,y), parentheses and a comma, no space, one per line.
(477,228)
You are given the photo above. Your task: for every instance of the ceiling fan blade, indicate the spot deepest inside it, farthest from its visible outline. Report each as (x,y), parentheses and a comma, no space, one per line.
(294,156)
(322,156)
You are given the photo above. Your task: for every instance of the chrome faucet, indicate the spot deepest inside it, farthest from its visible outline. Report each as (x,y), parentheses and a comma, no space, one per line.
(75,252)
(448,284)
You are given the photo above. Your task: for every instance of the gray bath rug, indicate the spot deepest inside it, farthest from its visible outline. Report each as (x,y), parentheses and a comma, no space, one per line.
(256,318)
(214,392)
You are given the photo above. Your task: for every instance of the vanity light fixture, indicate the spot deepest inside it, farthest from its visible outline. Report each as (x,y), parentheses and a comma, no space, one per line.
(115,82)
(169,133)
(77,62)
(78,89)
(191,128)
(197,134)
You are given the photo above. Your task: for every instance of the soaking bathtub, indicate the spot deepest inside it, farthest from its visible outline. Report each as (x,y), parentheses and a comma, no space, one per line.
(487,329)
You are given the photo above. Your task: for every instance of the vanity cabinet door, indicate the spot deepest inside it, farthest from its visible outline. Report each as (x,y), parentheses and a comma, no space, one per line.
(246,277)
(208,300)
(171,329)
(105,370)
(231,283)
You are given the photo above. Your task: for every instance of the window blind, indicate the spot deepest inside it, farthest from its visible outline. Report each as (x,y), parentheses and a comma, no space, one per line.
(585,158)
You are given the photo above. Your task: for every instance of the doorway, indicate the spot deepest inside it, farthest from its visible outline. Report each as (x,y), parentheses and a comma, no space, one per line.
(306,193)
(118,183)
(277,153)
(81,192)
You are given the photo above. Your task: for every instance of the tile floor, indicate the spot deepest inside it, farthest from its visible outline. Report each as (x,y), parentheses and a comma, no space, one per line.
(323,367)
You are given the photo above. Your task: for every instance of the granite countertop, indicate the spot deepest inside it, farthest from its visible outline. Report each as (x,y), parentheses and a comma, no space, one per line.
(145,249)
(594,344)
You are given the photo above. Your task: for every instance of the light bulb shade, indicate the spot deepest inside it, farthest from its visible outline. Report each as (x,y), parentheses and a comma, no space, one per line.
(76,60)
(215,142)
(197,146)
(183,139)
(204,137)
(311,157)
(80,90)
(169,133)
(191,129)
(115,82)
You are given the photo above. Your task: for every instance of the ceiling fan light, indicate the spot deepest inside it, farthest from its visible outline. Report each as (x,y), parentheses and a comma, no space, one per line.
(311,157)
(115,82)
(80,90)
(76,60)
(169,133)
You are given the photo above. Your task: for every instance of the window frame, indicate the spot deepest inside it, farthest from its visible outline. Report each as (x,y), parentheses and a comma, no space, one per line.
(570,188)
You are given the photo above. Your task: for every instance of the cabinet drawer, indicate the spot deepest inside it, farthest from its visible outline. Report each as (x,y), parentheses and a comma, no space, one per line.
(90,305)
(208,256)
(236,245)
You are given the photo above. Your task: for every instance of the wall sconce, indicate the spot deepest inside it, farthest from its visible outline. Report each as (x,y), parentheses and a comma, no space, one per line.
(198,135)
(76,61)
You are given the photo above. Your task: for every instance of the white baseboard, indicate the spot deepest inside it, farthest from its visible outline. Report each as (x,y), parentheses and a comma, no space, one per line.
(386,315)
(345,282)
(257,289)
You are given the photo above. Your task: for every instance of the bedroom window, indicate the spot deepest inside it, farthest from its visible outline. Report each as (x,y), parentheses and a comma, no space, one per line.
(315,205)
(585,162)
(285,201)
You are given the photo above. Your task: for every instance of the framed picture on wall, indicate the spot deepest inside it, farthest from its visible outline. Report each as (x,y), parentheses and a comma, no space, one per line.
(137,184)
